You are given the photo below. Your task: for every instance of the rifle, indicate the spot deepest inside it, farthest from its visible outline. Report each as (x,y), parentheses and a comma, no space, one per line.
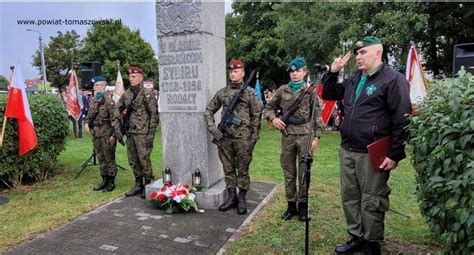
(307,159)
(288,117)
(126,124)
(228,118)
(95,114)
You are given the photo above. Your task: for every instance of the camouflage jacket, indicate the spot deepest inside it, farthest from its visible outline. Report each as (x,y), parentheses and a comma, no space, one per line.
(283,98)
(248,109)
(106,124)
(143,104)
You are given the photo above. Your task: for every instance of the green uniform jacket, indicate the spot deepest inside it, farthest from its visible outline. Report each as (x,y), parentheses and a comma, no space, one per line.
(144,107)
(106,124)
(248,109)
(283,98)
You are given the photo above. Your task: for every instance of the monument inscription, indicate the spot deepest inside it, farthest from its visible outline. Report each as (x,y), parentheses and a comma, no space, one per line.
(180,77)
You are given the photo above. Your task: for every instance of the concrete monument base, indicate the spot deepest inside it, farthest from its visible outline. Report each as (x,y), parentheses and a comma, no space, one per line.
(210,198)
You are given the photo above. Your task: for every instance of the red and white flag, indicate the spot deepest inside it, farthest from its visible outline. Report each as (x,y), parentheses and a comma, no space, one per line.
(416,77)
(19,108)
(119,89)
(72,101)
(327,106)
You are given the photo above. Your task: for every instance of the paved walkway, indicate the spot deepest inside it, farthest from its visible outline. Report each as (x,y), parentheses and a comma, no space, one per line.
(129,226)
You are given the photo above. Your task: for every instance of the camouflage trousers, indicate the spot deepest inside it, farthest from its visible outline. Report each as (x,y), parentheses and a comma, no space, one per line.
(364,195)
(139,156)
(292,150)
(106,155)
(235,160)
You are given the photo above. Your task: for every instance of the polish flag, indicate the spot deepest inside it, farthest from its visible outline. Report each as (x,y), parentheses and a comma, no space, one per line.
(72,102)
(19,108)
(416,77)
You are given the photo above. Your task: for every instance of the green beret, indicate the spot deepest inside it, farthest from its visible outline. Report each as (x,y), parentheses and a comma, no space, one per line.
(367,41)
(97,79)
(296,64)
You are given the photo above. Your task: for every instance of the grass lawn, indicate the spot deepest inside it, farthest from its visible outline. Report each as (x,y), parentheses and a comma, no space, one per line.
(35,209)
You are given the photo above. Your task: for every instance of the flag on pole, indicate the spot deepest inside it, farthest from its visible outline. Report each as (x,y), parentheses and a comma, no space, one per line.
(327,106)
(416,77)
(119,89)
(18,108)
(72,101)
(257,90)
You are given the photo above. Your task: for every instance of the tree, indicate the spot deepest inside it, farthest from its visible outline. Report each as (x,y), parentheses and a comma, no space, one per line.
(268,35)
(109,43)
(3,83)
(251,37)
(60,55)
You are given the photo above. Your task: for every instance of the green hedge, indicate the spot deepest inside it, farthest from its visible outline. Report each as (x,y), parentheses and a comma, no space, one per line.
(51,125)
(442,136)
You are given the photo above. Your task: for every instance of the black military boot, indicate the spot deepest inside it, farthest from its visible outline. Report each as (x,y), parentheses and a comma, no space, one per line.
(110,184)
(231,201)
(356,244)
(147,181)
(372,248)
(290,212)
(242,208)
(101,185)
(137,189)
(303,211)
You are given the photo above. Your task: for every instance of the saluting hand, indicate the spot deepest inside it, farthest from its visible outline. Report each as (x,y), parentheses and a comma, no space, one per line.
(339,63)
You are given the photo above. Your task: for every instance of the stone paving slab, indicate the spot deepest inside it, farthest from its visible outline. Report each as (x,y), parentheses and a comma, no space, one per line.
(130,226)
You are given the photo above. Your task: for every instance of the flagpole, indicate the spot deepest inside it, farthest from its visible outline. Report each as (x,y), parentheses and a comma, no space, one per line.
(5,117)
(3,131)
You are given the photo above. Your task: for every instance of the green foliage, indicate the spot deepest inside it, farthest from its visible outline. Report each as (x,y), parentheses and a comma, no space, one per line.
(443,156)
(109,43)
(59,56)
(267,35)
(51,126)
(251,37)
(3,82)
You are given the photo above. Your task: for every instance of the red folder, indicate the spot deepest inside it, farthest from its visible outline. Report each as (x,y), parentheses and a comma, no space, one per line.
(378,151)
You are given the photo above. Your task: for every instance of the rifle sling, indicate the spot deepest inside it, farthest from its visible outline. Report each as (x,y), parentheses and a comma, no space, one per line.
(96,113)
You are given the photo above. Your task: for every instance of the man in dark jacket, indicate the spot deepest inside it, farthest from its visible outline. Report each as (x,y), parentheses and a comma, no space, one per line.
(376,102)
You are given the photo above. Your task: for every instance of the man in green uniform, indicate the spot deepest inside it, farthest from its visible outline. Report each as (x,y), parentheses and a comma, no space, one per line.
(103,123)
(294,142)
(376,102)
(139,111)
(235,152)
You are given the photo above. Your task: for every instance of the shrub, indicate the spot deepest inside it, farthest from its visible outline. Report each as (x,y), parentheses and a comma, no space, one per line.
(51,126)
(443,156)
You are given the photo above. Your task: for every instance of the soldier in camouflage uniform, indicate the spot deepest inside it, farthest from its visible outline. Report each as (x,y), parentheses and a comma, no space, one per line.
(294,144)
(103,123)
(139,109)
(235,152)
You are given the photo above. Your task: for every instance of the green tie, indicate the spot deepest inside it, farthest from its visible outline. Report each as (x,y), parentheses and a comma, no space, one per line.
(361,84)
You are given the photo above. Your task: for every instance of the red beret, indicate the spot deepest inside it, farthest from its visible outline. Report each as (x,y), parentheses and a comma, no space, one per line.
(235,64)
(134,69)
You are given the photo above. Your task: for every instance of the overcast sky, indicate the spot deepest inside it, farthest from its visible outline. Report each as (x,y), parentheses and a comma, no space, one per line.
(18,45)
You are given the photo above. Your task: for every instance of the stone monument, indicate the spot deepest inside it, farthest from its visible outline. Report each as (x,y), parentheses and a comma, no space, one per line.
(191,59)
